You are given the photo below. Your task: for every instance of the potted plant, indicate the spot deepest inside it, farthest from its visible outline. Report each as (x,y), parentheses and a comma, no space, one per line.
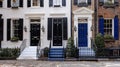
(108,37)
(14,39)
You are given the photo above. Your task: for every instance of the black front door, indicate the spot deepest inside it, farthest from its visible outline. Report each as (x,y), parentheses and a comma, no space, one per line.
(57,32)
(35,34)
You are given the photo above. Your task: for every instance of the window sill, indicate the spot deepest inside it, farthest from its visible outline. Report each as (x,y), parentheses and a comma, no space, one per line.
(15,7)
(35,7)
(109,5)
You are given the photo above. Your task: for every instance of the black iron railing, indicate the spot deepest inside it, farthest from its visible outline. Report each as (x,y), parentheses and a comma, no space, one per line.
(23,45)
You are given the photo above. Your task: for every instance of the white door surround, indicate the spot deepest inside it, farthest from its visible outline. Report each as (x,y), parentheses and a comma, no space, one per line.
(83,15)
(27,23)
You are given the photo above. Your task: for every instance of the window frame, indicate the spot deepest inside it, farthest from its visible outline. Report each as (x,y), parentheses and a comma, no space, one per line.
(57,5)
(112,25)
(12,30)
(78,2)
(18,3)
(37,2)
(105,1)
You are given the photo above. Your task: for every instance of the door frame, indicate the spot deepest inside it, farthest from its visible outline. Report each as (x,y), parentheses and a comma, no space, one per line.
(30,31)
(52,35)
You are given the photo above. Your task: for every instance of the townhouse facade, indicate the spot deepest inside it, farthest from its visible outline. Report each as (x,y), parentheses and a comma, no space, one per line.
(51,22)
(48,21)
(108,19)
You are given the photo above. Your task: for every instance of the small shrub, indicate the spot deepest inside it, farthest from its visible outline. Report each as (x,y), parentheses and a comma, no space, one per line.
(9,52)
(71,50)
(99,41)
(14,39)
(46,51)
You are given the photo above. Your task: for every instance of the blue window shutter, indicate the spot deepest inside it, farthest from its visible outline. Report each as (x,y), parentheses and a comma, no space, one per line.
(63,2)
(50,3)
(116,28)
(75,2)
(101,25)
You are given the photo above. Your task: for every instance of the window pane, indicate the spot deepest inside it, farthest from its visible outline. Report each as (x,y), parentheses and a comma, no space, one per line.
(108,26)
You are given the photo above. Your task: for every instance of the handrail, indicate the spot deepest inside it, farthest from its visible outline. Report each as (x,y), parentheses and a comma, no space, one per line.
(23,45)
(93,45)
(50,44)
(38,48)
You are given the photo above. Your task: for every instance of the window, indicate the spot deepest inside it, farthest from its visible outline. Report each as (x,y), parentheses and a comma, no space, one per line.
(109,1)
(57,3)
(35,2)
(108,26)
(15,3)
(15,28)
(82,1)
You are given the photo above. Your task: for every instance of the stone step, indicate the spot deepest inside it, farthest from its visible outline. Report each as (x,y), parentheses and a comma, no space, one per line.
(29,53)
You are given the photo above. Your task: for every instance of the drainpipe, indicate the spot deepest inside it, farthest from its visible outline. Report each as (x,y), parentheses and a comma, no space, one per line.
(71,18)
(95,17)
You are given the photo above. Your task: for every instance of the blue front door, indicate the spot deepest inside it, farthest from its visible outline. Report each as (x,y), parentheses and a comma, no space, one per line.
(82,35)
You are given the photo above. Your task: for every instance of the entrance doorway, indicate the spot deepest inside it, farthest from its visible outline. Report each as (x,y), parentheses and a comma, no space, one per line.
(57,32)
(34,34)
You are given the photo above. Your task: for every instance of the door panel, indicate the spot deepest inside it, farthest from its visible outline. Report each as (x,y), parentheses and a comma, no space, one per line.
(57,32)
(35,34)
(82,35)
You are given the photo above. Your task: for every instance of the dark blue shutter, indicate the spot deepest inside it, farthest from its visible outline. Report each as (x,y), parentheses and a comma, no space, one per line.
(8,3)
(101,25)
(20,3)
(20,29)
(41,3)
(63,2)
(28,3)
(65,29)
(1,3)
(89,2)
(8,29)
(50,3)
(49,33)
(116,28)
(1,29)
(75,2)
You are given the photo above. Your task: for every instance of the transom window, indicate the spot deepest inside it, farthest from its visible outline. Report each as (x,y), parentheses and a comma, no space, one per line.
(57,3)
(35,2)
(15,28)
(108,26)
(15,3)
(109,1)
(82,1)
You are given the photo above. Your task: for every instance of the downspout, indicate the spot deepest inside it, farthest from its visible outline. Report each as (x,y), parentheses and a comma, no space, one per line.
(71,17)
(95,17)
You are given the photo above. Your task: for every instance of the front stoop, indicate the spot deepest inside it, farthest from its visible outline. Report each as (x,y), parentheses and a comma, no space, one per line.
(28,53)
(86,53)
(56,54)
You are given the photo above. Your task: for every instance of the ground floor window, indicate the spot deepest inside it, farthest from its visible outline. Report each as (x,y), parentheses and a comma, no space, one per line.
(108,26)
(15,28)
